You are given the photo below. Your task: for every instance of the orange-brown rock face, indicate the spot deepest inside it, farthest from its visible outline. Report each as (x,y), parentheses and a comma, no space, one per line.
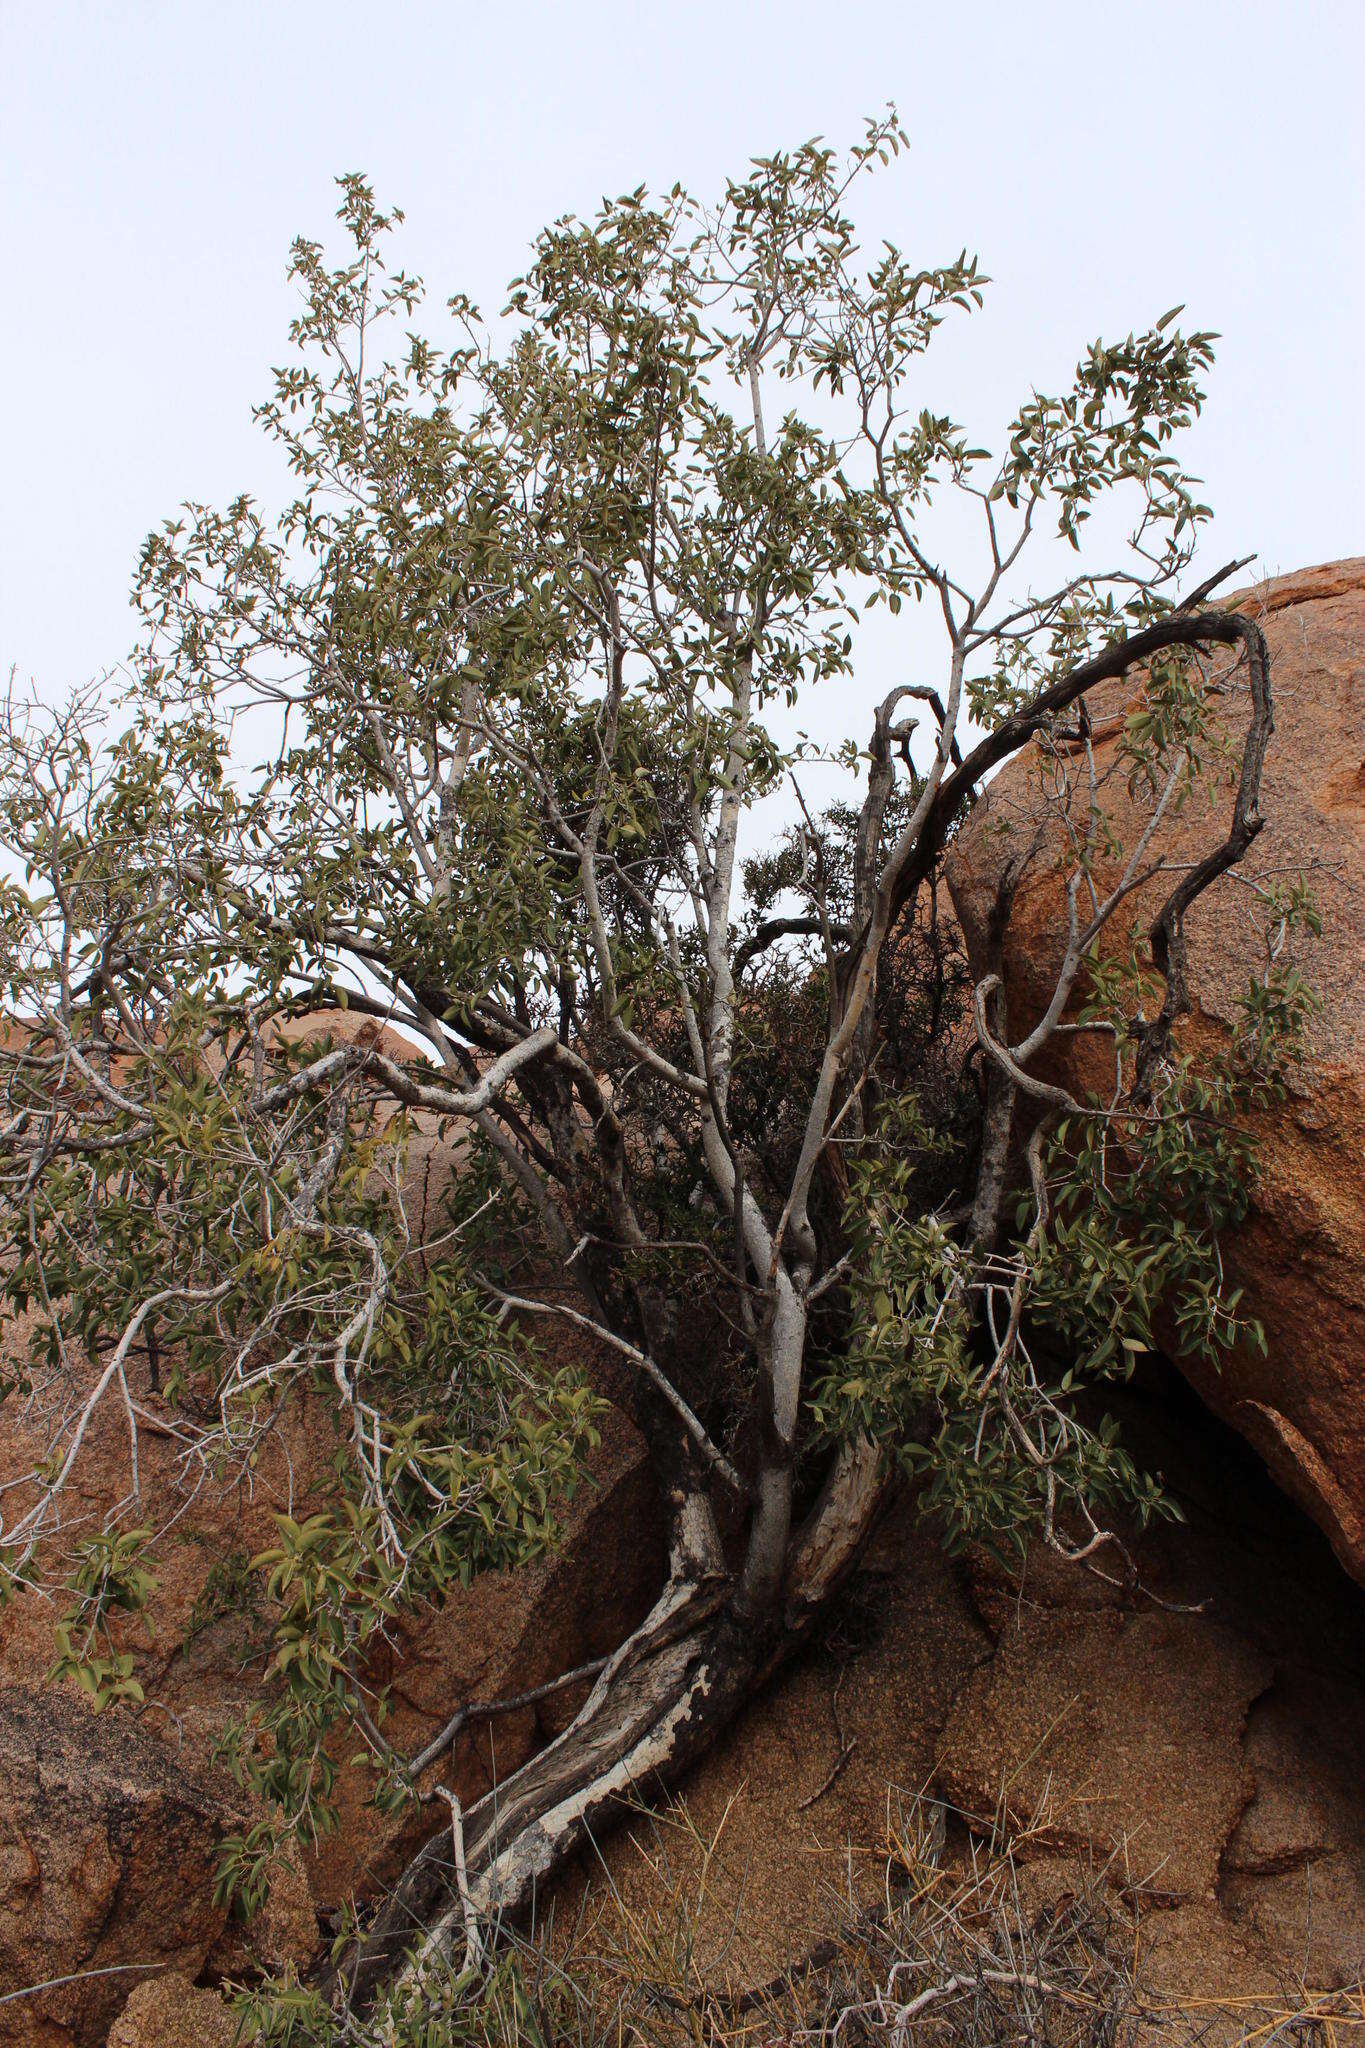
(108,1848)
(1206,1752)
(1301,1254)
(168,2012)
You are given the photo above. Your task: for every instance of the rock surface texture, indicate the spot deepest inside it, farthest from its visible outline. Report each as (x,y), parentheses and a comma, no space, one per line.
(170,2012)
(108,1847)
(1300,1256)
(111,1825)
(1208,1758)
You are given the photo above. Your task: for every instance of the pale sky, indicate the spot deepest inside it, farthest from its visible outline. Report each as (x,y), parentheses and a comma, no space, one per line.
(1105,161)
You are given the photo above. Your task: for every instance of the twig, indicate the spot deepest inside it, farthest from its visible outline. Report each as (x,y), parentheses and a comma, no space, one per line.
(485,1710)
(834,1773)
(79,1977)
(846,1749)
(473,1938)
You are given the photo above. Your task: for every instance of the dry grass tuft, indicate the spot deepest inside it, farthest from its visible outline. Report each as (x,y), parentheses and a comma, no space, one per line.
(972,1951)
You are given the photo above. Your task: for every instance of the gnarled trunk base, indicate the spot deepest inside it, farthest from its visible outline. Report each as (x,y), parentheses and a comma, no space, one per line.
(665,1696)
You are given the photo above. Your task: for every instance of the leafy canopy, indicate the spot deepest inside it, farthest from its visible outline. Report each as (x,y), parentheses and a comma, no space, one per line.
(466,742)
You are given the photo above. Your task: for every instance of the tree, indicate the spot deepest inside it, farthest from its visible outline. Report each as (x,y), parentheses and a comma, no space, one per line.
(466,743)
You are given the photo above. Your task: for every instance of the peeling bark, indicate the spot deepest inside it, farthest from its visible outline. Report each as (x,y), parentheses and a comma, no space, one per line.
(666,1695)
(658,1704)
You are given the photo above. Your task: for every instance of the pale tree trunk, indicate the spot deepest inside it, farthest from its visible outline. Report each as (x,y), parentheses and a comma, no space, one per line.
(663,1699)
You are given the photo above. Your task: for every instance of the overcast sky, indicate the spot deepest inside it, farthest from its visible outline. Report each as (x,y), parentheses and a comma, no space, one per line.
(1105,161)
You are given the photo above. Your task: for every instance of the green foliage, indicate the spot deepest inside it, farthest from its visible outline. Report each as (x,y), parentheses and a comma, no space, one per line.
(976,1363)
(111,1576)
(492,2008)
(1143,1198)
(246,1865)
(334,1586)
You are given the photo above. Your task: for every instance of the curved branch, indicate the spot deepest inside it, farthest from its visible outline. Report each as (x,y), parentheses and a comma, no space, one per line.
(349,1059)
(691,1422)
(1202,629)
(774,928)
